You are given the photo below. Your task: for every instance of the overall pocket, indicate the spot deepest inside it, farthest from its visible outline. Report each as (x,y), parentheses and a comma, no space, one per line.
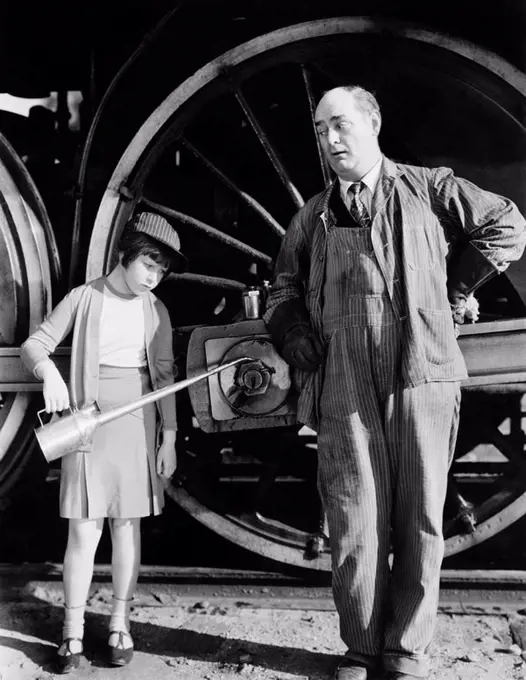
(438,336)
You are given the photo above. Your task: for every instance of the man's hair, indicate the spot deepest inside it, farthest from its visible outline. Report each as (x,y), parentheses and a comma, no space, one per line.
(133,244)
(365,100)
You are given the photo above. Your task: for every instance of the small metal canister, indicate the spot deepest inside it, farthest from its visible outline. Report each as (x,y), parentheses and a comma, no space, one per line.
(252,303)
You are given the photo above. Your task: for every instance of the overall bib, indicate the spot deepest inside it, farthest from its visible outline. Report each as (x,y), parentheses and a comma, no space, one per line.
(383,453)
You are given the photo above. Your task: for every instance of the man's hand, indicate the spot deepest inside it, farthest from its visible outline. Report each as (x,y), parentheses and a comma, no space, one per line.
(300,348)
(464,309)
(55,390)
(458,310)
(166,455)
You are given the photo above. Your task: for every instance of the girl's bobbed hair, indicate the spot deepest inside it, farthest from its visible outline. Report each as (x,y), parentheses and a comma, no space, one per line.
(151,235)
(133,244)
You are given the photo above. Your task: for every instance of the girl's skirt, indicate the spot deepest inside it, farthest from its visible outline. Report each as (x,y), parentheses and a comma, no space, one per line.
(117,477)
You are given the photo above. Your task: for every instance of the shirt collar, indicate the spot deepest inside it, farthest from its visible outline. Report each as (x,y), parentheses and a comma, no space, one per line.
(370,179)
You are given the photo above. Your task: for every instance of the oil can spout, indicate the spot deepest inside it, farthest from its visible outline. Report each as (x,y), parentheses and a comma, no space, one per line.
(74,432)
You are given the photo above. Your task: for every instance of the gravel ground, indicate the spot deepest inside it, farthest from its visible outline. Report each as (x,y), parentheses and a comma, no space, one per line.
(210,640)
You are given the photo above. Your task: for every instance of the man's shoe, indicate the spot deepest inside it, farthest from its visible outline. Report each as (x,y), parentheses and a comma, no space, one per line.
(350,670)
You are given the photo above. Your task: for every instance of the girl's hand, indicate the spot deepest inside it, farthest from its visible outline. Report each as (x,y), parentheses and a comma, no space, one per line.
(56,395)
(167,456)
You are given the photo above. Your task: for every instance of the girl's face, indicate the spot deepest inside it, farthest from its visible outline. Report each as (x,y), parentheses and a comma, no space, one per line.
(143,274)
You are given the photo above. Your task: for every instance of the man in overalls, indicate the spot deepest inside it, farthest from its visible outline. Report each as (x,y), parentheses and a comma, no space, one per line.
(372,276)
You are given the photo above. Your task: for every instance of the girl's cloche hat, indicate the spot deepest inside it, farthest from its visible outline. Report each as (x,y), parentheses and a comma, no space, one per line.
(160,229)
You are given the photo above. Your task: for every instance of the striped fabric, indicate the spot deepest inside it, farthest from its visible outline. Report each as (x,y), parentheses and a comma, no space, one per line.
(158,228)
(383,456)
(432,210)
(386,401)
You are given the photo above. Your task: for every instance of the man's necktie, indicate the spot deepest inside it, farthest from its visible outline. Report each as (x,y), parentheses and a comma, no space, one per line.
(357,208)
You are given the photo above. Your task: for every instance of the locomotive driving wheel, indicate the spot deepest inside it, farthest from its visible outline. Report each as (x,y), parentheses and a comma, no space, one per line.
(29,271)
(228,157)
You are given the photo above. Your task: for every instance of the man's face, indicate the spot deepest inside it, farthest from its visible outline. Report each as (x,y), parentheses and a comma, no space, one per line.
(348,136)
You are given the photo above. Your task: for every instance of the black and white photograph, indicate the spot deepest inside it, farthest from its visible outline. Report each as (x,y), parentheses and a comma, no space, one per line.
(263,340)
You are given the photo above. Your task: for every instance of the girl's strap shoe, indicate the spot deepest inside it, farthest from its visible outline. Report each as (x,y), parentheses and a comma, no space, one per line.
(120,655)
(70,661)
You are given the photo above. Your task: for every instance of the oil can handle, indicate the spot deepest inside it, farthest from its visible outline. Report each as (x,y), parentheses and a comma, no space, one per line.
(43,410)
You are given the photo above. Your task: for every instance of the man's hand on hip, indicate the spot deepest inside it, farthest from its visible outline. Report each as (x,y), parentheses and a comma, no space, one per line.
(464,309)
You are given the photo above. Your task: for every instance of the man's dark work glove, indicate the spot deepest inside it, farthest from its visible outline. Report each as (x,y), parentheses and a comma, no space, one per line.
(301,349)
(293,336)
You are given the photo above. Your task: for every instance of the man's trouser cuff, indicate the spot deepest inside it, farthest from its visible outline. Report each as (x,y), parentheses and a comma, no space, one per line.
(412,665)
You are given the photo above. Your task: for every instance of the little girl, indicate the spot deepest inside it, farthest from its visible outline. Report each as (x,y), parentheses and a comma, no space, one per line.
(121,349)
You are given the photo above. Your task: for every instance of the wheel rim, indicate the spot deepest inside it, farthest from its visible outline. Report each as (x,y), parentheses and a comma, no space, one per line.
(29,272)
(487,83)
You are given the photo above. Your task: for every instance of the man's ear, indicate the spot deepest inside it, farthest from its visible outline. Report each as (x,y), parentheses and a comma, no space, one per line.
(376,122)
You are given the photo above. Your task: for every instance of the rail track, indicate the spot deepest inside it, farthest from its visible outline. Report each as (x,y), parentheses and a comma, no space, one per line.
(463,591)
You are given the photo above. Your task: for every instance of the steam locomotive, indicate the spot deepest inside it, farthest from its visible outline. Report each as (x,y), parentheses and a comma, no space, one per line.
(203,112)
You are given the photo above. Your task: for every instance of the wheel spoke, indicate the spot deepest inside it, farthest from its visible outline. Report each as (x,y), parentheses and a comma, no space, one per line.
(462,510)
(310,97)
(269,150)
(204,280)
(247,198)
(502,443)
(207,229)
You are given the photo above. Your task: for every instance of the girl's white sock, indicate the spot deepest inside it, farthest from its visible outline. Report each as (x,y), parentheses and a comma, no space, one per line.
(73,627)
(120,614)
